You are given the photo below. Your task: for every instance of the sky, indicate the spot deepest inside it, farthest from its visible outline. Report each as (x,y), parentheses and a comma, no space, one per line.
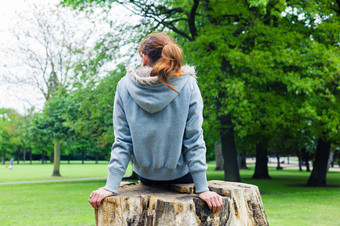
(22,97)
(11,95)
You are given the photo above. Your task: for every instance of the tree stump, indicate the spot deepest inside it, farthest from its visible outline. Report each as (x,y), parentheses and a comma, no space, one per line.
(178,205)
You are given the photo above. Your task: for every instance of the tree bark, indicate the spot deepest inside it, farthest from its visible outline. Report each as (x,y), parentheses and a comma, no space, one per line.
(144,205)
(261,165)
(307,165)
(305,159)
(43,158)
(278,163)
(56,167)
(24,155)
(52,157)
(298,154)
(96,158)
(4,159)
(82,157)
(231,170)
(243,160)
(330,160)
(191,20)
(218,157)
(18,156)
(300,163)
(319,172)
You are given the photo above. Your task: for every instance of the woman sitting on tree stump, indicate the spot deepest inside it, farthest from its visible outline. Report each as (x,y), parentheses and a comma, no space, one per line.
(158,115)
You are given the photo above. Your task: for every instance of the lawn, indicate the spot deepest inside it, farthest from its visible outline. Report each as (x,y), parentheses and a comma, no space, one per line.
(38,171)
(286,200)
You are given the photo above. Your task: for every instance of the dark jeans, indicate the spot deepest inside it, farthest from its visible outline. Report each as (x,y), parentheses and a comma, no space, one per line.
(186,179)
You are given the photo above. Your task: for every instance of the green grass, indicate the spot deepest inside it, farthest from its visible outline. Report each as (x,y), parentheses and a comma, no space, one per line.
(286,200)
(62,203)
(38,171)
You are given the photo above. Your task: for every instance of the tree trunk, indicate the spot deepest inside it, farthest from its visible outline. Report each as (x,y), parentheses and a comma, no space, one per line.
(31,156)
(18,156)
(68,159)
(82,157)
(144,205)
(96,158)
(261,165)
(305,157)
(56,167)
(278,163)
(231,170)
(319,172)
(52,156)
(307,165)
(332,163)
(330,160)
(42,158)
(298,154)
(4,159)
(218,157)
(24,156)
(243,162)
(300,163)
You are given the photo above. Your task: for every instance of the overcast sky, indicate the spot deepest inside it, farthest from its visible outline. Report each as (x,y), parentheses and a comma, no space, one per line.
(22,98)
(12,96)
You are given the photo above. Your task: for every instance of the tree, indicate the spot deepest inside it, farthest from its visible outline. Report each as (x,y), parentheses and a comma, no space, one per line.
(93,119)
(40,138)
(47,45)
(263,69)
(53,123)
(165,17)
(10,132)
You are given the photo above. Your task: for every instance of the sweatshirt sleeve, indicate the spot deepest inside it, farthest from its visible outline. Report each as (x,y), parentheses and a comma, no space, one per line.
(121,148)
(193,143)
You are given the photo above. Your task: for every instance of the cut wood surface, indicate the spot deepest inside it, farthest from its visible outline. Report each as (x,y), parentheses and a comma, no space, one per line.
(179,205)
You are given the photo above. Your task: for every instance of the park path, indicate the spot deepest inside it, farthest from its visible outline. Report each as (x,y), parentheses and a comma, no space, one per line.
(293,164)
(272,162)
(47,181)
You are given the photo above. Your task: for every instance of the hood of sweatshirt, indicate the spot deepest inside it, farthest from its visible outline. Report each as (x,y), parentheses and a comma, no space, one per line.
(149,93)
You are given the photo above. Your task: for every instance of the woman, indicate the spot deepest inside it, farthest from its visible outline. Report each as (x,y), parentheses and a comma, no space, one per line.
(158,123)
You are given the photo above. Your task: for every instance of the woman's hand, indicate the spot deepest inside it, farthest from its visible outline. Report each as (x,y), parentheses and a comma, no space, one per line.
(213,200)
(97,196)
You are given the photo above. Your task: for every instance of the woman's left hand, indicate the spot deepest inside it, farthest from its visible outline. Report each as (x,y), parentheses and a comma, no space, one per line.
(97,196)
(213,200)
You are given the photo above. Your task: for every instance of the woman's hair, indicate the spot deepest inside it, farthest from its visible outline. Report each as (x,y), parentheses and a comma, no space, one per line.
(165,55)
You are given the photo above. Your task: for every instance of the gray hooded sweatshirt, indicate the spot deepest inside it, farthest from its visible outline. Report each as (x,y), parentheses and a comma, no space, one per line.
(157,129)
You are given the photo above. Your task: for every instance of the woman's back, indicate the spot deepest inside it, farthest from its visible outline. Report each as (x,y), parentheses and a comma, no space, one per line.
(159,128)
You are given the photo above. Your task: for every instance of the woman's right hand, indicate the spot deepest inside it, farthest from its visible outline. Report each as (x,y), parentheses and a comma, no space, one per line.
(97,196)
(213,200)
